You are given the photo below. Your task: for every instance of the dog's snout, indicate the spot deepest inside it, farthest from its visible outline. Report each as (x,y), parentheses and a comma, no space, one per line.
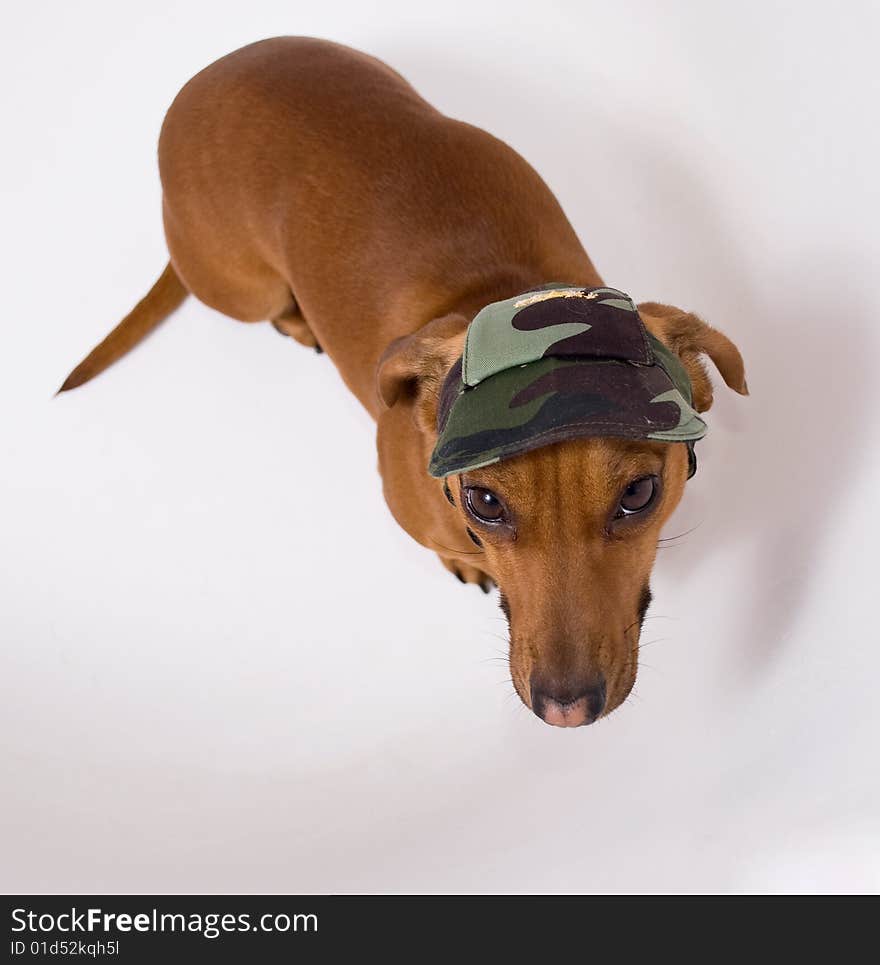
(564,705)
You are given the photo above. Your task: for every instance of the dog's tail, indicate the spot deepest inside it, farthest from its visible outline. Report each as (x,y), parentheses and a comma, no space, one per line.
(155,307)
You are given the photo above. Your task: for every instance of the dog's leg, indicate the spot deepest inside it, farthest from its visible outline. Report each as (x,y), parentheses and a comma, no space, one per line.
(466,573)
(290,322)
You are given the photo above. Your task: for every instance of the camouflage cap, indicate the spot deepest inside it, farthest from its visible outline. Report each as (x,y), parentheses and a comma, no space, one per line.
(558,363)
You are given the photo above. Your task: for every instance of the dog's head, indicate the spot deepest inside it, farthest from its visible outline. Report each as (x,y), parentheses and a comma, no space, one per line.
(568,530)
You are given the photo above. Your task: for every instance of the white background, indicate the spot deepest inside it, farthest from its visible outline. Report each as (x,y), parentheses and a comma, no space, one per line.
(225,669)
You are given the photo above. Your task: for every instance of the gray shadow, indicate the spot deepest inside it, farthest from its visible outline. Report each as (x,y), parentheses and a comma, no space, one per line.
(773,476)
(775,472)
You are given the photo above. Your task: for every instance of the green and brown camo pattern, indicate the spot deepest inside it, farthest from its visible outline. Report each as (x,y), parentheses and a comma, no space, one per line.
(555,364)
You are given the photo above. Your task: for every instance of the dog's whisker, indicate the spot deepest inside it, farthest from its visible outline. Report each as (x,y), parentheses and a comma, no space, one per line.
(657,616)
(687,532)
(498,636)
(650,643)
(449,549)
(635,623)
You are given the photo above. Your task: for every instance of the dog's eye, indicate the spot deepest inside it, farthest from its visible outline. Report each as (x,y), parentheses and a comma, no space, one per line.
(638,496)
(484,505)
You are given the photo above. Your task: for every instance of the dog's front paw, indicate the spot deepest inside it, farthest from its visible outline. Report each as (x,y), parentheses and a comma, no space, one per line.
(465,573)
(294,325)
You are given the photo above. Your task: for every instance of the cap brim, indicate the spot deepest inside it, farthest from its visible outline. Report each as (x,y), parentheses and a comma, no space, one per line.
(553,400)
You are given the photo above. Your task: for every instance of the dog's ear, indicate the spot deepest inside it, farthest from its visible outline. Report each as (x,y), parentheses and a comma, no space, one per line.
(691,338)
(413,367)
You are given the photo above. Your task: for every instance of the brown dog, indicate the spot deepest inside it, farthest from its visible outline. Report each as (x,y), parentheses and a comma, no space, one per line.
(308,184)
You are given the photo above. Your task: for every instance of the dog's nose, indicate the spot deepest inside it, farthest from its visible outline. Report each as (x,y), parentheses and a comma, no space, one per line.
(567,706)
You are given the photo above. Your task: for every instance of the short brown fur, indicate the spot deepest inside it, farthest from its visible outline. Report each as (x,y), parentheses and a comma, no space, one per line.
(308,184)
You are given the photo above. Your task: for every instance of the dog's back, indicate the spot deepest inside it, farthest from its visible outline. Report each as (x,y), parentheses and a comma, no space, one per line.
(303,179)
(268,158)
